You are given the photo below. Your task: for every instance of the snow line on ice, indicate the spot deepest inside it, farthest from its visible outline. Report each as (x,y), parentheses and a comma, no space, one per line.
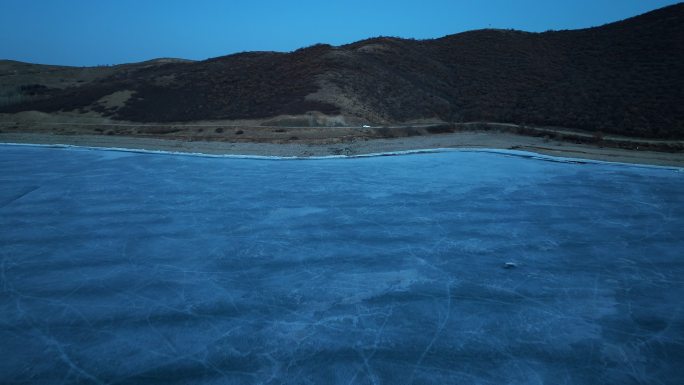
(516,153)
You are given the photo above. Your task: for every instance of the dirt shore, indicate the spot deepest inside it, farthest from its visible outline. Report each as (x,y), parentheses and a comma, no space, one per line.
(493,140)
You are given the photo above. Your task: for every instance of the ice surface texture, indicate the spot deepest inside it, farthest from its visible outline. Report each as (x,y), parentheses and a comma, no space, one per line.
(129,268)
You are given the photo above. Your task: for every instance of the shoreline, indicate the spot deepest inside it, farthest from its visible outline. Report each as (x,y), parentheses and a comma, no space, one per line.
(356,147)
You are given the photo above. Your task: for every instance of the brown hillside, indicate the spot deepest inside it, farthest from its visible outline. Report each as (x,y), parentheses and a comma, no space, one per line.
(625,77)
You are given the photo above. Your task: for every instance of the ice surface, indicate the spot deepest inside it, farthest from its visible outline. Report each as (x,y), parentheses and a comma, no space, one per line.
(132,268)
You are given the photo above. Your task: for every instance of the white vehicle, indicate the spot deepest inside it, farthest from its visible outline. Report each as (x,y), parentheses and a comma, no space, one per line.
(366,126)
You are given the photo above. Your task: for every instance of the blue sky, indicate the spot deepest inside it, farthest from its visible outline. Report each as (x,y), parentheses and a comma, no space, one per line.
(91,32)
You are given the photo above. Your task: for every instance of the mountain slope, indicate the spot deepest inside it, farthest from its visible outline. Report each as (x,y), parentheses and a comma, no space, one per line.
(625,77)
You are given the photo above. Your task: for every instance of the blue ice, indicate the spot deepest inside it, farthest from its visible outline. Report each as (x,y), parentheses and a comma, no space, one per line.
(133,268)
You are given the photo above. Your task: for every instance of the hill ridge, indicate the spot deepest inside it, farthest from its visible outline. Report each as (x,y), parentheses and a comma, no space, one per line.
(624,77)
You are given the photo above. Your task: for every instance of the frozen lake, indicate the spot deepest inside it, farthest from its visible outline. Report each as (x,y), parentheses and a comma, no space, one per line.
(132,268)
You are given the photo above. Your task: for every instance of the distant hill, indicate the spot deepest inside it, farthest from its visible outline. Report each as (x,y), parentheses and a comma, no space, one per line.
(625,77)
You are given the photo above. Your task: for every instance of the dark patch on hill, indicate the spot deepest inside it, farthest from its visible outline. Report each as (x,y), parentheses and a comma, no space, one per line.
(625,77)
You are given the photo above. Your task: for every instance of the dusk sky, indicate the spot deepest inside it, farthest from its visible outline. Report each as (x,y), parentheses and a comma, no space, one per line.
(88,32)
